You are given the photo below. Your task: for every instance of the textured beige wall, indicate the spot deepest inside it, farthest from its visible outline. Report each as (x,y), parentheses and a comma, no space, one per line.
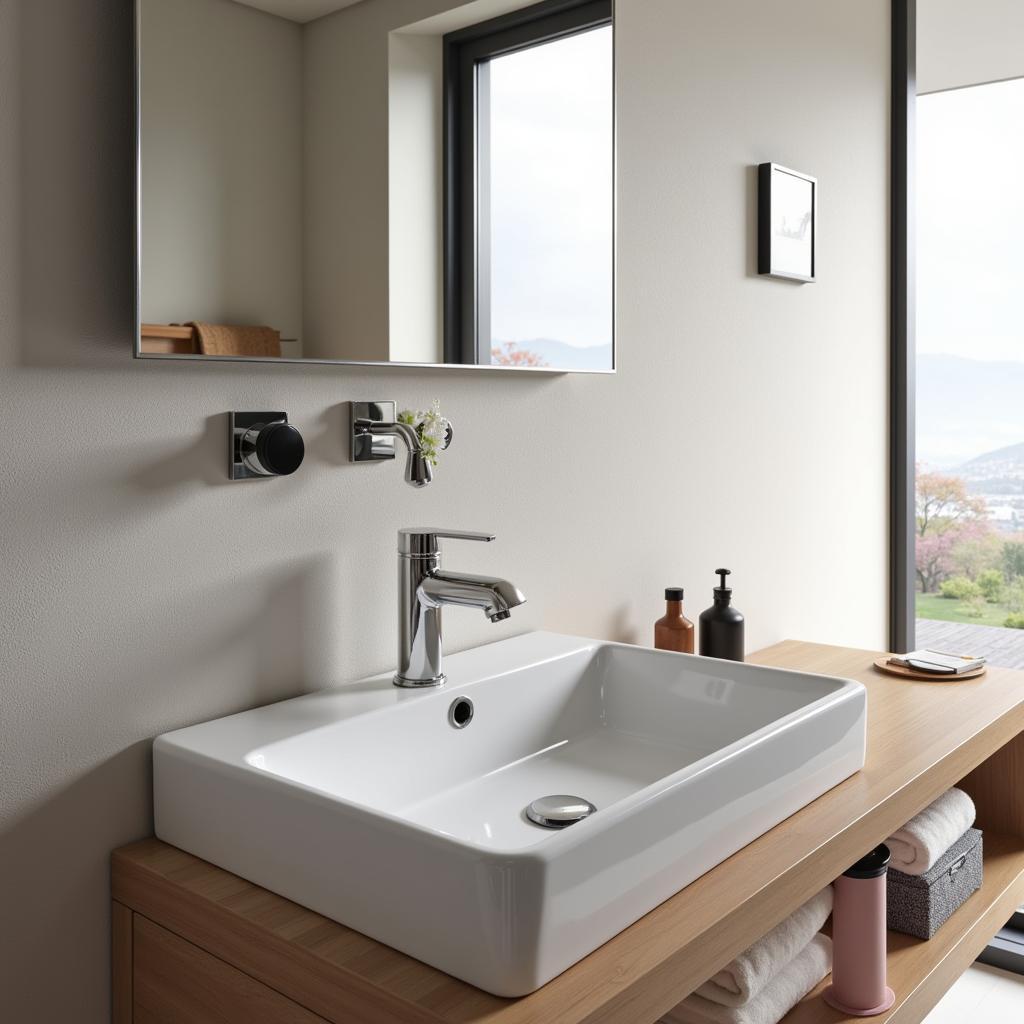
(140,591)
(415,170)
(972,43)
(221,102)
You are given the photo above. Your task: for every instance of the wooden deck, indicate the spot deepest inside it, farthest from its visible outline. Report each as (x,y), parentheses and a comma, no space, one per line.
(1002,647)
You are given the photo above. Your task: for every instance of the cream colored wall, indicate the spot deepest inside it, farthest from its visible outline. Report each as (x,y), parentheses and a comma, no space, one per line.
(962,43)
(141,591)
(415,171)
(346,236)
(221,102)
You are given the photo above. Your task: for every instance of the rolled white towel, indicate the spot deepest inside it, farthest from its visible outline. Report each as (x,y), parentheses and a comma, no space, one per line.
(743,979)
(785,990)
(926,837)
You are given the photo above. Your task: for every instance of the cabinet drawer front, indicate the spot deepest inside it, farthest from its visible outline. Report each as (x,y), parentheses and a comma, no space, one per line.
(176,982)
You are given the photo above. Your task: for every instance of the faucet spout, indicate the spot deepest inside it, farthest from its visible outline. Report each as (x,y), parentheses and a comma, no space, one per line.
(494,597)
(418,470)
(424,588)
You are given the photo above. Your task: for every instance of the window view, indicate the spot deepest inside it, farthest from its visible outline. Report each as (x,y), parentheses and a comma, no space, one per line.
(545,194)
(970,372)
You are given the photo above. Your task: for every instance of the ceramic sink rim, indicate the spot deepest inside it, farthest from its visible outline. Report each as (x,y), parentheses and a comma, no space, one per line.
(395,701)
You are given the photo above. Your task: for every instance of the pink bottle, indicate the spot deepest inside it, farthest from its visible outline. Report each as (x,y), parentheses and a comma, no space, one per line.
(858,939)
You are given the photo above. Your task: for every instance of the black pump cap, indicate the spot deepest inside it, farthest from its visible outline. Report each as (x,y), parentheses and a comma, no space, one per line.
(874,864)
(673,593)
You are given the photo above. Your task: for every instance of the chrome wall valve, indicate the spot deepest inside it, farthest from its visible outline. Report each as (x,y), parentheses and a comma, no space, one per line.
(264,444)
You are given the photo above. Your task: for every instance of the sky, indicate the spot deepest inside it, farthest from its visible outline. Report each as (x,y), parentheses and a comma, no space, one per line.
(970,265)
(970,230)
(552,191)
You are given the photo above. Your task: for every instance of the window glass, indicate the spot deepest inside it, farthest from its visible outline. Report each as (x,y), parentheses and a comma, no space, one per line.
(970,372)
(545,245)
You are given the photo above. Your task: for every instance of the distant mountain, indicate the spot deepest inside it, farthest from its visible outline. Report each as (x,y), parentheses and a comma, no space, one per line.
(562,356)
(1012,454)
(997,472)
(966,406)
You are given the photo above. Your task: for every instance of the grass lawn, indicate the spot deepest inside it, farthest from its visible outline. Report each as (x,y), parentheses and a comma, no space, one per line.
(935,606)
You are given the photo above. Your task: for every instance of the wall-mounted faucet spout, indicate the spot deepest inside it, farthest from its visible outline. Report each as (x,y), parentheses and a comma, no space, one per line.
(423,590)
(418,470)
(375,425)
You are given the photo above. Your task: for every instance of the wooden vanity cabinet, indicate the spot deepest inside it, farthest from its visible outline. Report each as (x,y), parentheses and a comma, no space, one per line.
(174,980)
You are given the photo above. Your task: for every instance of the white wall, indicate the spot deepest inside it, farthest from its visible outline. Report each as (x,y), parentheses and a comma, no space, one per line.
(960,43)
(221,102)
(141,591)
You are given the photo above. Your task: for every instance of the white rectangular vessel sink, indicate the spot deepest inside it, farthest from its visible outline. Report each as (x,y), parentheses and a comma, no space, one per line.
(370,805)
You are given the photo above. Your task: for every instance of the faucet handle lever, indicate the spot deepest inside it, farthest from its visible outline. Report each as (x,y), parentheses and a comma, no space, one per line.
(423,540)
(463,535)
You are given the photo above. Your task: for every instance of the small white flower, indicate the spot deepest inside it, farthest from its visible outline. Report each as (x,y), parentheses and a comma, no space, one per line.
(431,427)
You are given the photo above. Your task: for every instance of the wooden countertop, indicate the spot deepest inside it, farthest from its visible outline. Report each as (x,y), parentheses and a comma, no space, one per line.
(922,738)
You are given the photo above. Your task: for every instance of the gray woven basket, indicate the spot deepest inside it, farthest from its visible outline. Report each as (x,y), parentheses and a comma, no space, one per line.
(920,904)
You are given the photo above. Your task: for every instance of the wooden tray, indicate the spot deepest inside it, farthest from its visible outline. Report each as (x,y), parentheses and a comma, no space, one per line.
(931,677)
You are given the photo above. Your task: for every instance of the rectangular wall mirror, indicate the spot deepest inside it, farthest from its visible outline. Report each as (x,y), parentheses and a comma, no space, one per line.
(413,182)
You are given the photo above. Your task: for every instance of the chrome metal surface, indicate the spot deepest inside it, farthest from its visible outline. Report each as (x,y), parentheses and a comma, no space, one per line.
(247,450)
(423,590)
(460,712)
(367,446)
(243,434)
(424,541)
(374,429)
(559,811)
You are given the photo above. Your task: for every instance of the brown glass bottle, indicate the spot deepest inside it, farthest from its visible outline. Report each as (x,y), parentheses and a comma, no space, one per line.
(674,632)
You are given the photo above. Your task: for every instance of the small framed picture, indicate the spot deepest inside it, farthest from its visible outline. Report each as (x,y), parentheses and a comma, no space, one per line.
(787,216)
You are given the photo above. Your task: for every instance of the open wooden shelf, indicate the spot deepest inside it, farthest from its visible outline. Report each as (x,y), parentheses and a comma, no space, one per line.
(921,971)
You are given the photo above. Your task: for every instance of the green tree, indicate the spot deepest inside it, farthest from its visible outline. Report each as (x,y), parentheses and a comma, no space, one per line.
(947,518)
(1013,595)
(960,588)
(991,584)
(971,558)
(1013,559)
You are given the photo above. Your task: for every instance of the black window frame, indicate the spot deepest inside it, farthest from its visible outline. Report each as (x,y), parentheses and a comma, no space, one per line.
(902,403)
(466,304)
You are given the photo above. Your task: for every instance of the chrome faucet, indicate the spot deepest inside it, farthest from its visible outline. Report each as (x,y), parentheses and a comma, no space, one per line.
(424,588)
(418,471)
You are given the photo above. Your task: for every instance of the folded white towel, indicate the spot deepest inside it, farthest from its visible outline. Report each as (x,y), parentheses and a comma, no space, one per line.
(743,979)
(925,838)
(785,990)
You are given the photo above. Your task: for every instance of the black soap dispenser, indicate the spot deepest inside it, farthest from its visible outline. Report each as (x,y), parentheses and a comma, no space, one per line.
(721,626)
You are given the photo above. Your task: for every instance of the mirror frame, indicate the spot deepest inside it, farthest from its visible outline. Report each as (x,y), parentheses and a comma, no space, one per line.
(196,357)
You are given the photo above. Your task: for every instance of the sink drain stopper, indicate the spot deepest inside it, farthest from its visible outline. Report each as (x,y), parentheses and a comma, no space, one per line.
(559,811)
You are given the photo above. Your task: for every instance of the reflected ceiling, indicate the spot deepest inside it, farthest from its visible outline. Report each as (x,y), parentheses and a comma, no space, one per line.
(298,10)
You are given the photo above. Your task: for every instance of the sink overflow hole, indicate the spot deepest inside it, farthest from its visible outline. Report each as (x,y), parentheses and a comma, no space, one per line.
(460,713)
